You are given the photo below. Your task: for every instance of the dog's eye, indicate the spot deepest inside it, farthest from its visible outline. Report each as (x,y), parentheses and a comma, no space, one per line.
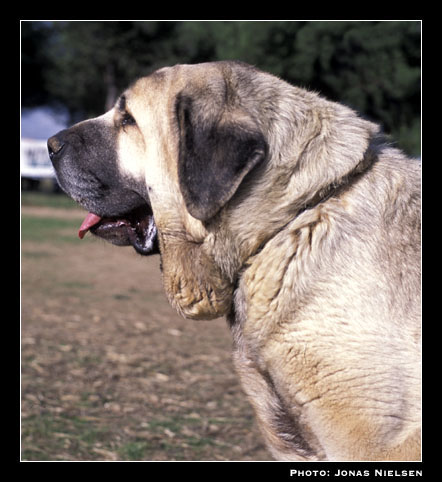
(127,120)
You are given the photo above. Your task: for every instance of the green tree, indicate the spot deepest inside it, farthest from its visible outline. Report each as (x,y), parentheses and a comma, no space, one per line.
(34,62)
(93,61)
(372,66)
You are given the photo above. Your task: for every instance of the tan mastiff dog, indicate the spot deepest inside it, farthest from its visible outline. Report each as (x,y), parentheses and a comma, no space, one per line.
(287,213)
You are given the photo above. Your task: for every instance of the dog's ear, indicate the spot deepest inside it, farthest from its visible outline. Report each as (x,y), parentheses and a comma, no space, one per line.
(218,147)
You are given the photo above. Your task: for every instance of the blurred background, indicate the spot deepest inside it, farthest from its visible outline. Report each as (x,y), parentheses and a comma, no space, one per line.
(75,70)
(81,67)
(109,371)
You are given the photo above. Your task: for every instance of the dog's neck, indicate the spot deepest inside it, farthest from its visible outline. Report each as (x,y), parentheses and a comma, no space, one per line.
(260,231)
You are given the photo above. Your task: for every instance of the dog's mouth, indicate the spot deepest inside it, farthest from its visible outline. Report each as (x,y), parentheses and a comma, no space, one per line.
(136,228)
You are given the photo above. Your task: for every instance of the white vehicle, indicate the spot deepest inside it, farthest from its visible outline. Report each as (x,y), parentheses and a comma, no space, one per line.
(35,164)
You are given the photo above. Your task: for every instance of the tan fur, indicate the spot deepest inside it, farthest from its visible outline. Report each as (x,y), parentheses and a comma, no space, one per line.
(315,260)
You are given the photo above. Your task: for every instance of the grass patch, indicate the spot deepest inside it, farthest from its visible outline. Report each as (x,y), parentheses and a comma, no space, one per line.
(37,254)
(200,442)
(121,296)
(58,433)
(134,450)
(75,285)
(42,199)
(173,424)
(41,229)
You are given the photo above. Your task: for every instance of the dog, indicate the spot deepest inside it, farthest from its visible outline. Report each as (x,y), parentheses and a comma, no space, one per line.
(290,215)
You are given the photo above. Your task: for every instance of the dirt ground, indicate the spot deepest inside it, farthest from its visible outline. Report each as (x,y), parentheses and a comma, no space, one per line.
(109,370)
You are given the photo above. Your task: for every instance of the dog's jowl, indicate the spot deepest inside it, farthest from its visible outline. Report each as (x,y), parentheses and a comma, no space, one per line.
(288,214)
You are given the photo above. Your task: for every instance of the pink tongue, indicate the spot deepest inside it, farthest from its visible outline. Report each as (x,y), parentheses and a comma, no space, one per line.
(89,221)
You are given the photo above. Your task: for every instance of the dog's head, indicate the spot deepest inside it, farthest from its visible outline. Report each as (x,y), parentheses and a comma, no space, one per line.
(202,163)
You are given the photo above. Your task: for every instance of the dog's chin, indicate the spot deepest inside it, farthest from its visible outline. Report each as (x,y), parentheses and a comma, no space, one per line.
(136,228)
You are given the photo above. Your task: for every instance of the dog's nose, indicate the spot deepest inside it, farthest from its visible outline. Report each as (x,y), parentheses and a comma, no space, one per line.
(55,146)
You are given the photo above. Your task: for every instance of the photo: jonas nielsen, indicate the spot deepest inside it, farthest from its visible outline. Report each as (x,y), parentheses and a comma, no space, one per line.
(291,216)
